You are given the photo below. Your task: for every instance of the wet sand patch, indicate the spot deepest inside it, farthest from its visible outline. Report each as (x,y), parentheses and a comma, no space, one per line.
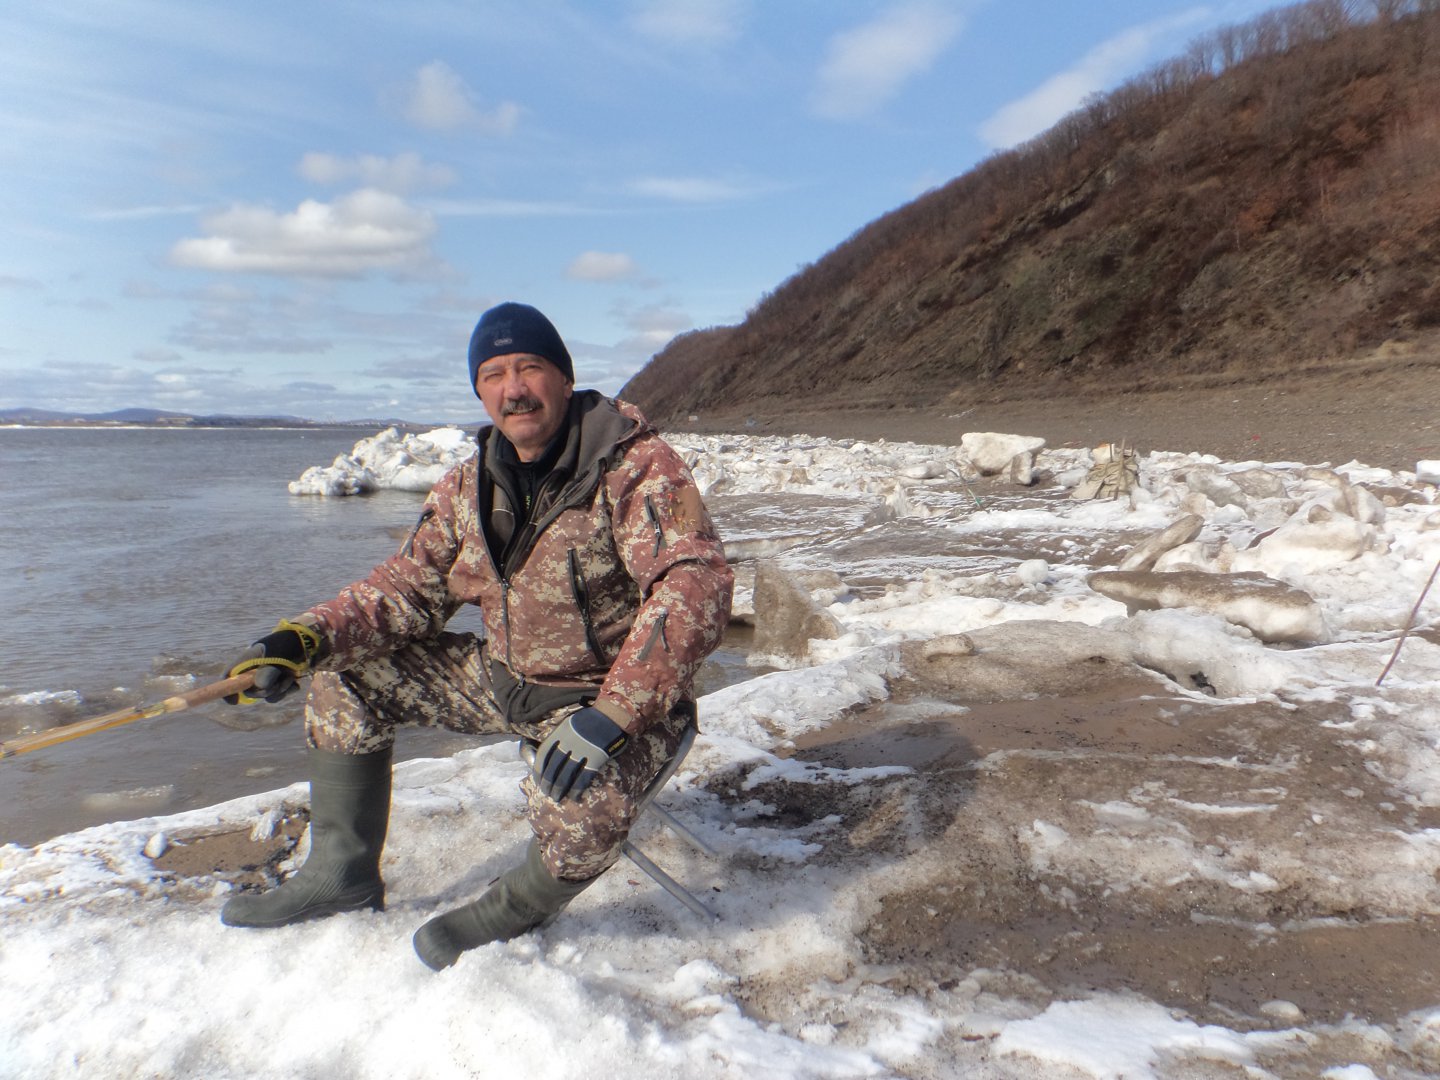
(236,856)
(1156,770)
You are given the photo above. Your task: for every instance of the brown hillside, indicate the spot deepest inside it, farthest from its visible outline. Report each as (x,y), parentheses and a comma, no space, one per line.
(1267,204)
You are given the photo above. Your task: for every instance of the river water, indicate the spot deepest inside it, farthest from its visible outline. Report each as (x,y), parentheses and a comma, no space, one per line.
(140,560)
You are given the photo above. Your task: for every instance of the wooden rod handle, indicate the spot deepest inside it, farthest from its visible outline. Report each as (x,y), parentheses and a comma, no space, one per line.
(180,702)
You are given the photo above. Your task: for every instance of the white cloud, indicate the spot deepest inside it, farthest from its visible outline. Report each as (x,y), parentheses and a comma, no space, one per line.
(1102,67)
(226,292)
(601,266)
(157,356)
(100,387)
(439,100)
(688,189)
(246,333)
(444,368)
(364,231)
(689,22)
(505,208)
(655,324)
(143,213)
(645,330)
(400,174)
(867,66)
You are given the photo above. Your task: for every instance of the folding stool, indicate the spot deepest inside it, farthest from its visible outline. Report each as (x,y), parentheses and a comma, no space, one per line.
(647,802)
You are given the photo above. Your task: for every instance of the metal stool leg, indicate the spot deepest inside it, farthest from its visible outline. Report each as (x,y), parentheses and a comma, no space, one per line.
(666,882)
(638,857)
(673,824)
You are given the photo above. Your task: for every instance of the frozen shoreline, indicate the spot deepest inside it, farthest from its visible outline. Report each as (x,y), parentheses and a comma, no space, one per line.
(929,598)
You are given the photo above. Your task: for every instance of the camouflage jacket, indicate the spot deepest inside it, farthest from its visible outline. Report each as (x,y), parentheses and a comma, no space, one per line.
(621,584)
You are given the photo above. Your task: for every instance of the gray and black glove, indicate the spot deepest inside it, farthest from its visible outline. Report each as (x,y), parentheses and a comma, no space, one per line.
(574,753)
(278,660)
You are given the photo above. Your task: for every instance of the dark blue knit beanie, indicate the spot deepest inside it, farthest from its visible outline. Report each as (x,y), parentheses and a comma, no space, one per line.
(517,328)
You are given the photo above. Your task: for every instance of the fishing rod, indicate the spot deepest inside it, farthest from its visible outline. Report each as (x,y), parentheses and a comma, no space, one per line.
(179,703)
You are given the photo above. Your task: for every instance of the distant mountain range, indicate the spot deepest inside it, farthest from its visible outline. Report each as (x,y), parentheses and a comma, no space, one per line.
(163,418)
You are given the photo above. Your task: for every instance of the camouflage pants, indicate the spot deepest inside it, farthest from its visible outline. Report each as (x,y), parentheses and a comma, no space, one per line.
(443,682)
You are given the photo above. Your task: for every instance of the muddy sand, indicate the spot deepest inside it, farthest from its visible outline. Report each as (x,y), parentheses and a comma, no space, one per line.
(1386,417)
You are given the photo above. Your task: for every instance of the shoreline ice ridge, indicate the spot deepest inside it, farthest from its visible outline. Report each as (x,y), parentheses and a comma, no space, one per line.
(389,461)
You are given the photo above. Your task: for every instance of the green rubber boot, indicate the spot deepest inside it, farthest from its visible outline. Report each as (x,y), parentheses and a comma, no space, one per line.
(521,900)
(349,814)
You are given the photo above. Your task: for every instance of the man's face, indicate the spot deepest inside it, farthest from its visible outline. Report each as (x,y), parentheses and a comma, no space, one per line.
(526,397)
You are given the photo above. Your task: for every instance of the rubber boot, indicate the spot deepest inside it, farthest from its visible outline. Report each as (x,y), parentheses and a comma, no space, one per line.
(349,815)
(521,900)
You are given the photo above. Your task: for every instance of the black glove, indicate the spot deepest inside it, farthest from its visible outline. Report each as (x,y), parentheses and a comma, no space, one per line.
(574,753)
(278,660)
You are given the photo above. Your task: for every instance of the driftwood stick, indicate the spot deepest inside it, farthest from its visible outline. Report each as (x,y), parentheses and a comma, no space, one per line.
(199,696)
(1409,623)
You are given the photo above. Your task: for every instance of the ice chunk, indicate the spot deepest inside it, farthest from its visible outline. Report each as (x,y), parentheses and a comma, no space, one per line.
(786,616)
(1143,555)
(391,461)
(1215,486)
(1269,609)
(345,476)
(992,452)
(1259,483)
(1311,540)
(1032,571)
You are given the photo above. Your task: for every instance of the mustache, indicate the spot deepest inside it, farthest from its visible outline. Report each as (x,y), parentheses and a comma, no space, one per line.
(528,403)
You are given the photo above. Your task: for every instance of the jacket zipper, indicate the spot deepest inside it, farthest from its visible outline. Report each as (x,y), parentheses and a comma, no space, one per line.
(657,633)
(582,601)
(521,552)
(505,622)
(655,524)
(565,499)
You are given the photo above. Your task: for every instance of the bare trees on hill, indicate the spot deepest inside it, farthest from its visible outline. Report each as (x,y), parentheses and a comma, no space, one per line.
(1280,179)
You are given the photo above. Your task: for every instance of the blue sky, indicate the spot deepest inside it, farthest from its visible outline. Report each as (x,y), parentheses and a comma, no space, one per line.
(303,207)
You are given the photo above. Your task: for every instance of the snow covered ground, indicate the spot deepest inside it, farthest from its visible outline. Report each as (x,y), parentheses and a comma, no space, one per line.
(982,819)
